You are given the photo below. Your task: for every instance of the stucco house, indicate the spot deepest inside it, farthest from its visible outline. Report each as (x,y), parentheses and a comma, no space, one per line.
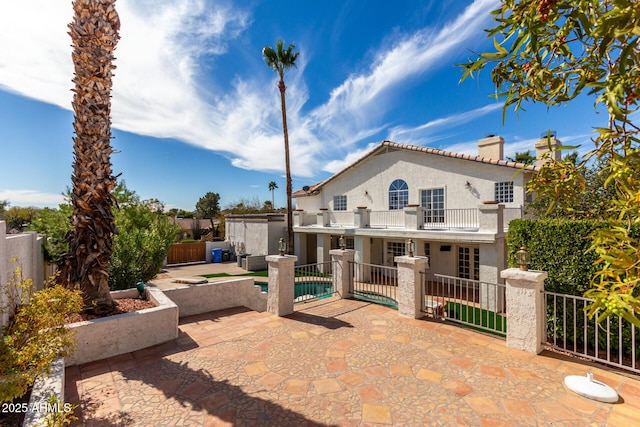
(455,207)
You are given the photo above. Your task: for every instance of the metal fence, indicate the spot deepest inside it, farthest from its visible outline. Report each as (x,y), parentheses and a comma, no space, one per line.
(375,283)
(451,218)
(313,281)
(473,303)
(392,218)
(615,342)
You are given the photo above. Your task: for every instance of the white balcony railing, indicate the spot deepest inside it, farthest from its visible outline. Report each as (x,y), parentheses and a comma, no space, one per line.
(386,219)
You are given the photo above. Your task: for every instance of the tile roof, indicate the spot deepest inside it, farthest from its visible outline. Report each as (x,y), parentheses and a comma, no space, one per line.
(434,151)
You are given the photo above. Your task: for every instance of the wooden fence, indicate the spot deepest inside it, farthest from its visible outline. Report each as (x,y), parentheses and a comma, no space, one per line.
(181,253)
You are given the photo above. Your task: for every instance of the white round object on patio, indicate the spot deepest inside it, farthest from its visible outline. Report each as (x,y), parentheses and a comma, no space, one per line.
(593,389)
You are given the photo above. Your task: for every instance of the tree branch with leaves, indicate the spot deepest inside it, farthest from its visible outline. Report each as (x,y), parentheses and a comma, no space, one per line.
(552,51)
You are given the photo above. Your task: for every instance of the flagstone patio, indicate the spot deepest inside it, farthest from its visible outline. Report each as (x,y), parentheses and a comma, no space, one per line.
(339,363)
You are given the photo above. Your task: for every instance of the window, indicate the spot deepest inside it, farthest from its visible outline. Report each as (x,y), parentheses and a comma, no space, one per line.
(468,267)
(394,249)
(433,203)
(339,203)
(398,194)
(504,192)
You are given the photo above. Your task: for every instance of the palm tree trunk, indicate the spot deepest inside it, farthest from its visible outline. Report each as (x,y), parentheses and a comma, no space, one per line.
(94,34)
(290,248)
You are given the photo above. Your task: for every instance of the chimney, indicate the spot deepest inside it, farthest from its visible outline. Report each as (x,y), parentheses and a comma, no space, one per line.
(547,140)
(491,147)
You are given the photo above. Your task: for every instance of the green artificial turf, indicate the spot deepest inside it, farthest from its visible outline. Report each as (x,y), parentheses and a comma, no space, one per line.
(477,316)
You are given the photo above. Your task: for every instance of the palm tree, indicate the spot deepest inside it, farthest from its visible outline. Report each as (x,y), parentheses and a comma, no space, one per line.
(94,35)
(272,187)
(280,60)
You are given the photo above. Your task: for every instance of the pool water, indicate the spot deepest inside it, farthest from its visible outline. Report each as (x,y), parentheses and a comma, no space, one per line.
(316,289)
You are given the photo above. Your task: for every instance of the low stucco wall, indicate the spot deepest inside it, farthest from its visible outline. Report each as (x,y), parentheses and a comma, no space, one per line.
(202,298)
(110,336)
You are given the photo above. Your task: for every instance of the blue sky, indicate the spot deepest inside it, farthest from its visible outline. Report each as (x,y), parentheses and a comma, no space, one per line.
(195,109)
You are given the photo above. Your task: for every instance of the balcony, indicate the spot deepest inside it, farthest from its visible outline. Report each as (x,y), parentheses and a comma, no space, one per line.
(485,218)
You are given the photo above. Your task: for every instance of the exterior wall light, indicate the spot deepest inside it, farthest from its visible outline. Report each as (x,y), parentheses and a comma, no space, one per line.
(282,246)
(523,259)
(411,247)
(341,243)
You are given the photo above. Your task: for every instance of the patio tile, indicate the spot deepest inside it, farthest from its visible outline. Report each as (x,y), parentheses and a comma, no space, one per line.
(297,386)
(351,378)
(458,387)
(256,369)
(518,407)
(271,380)
(342,377)
(376,414)
(400,370)
(428,375)
(368,393)
(328,385)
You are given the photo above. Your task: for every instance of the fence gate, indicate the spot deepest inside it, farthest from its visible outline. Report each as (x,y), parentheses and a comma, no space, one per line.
(182,253)
(374,283)
(475,304)
(314,281)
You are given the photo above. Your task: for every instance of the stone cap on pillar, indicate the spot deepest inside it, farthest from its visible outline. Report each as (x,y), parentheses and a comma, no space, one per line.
(278,258)
(524,278)
(418,261)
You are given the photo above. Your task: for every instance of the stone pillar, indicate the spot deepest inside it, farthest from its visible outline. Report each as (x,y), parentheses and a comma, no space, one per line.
(526,308)
(490,218)
(323,218)
(361,217)
(410,285)
(342,271)
(414,217)
(281,284)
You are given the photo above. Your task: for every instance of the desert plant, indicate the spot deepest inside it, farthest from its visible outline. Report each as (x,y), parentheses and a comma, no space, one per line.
(36,334)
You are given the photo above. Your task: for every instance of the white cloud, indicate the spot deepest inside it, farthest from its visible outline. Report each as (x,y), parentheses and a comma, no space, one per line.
(162,86)
(337,165)
(31,198)
(420,134)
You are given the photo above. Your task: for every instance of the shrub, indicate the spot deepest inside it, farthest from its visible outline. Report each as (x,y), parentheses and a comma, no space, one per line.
(36,335)
(140,247)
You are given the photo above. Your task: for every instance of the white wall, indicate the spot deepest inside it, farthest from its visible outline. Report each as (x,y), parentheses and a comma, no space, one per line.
(257,233)
(368,183)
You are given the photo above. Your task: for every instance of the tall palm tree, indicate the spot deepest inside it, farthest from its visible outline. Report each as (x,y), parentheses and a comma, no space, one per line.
(280,60)
(94,35)
(272,187)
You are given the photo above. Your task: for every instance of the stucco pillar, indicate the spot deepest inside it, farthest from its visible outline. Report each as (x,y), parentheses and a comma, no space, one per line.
(409,285)
(323,246)
(281,284)
(490,218)
(414,217)
(492,262)
(525,305)
(323,219)
(361,217)
(362,246)
(298,218)
(342,271)
(300,245)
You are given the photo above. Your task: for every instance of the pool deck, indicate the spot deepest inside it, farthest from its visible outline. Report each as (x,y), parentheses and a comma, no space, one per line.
(339,363)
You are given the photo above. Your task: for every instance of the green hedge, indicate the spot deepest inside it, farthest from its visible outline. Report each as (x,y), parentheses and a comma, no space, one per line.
(559,247)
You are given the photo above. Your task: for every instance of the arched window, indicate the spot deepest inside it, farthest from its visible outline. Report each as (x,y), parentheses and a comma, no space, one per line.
(398,194)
